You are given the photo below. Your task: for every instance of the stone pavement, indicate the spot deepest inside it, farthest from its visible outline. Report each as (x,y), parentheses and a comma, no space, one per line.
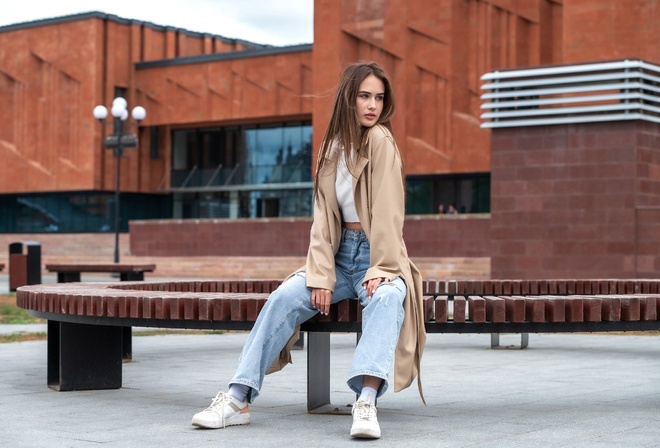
(563,391)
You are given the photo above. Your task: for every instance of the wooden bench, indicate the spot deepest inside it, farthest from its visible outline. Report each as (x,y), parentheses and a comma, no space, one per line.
(85,319)
(70,272)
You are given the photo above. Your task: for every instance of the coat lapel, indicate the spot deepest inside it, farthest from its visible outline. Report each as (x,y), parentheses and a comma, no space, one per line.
(327,185)
(360,191)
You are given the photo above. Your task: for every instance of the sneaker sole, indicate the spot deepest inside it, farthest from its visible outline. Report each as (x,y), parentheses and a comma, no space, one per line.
(365,433)
(237,420)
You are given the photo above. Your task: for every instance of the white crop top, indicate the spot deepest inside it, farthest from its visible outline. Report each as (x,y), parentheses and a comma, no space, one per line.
(344,191)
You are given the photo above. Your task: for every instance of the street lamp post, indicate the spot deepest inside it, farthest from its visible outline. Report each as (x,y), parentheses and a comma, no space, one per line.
(117,141)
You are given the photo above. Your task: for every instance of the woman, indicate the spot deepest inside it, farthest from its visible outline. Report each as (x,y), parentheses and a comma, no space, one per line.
(356,249)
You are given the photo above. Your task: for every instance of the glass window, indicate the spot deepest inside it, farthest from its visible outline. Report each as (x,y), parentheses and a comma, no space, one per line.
(242,155)
(248,155)
(467,193)
(73,212)
(251,148)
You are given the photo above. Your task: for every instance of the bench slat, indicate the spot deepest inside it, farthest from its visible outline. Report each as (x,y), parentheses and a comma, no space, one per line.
(477,309)
(592,309)
(495,309)
(515,308)
(459,309)
(221,309)
(630,308)
(649,308)
(574,309)
(534,309)
(611,308)
(440,307)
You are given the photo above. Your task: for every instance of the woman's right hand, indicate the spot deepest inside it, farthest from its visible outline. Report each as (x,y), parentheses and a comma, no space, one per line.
(321,300)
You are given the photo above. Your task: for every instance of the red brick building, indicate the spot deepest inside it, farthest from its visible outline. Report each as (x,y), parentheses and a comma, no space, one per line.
(232,127)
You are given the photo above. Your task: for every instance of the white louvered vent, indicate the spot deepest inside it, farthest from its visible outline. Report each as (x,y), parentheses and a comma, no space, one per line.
(606,91)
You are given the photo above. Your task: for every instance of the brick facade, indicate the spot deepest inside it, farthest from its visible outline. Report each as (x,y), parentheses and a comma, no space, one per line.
(567,201)
(58,70)
(575,201)
(435,51)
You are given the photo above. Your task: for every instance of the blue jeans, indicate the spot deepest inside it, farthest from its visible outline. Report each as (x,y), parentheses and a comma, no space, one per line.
(290,305)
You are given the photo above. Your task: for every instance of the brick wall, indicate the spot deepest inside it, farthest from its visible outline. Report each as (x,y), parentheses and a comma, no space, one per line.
(647,249)
(451,247)
(223,237)
(432,236)
(565,200)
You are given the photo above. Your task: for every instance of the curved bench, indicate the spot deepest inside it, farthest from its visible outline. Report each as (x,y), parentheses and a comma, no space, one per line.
(85,320)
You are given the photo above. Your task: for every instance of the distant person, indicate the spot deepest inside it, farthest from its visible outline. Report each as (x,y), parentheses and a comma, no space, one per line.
(441,209)
(356,250)
(451,210)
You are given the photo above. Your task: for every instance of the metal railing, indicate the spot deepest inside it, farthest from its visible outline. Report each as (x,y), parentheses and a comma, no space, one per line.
(240,176)
(594,92)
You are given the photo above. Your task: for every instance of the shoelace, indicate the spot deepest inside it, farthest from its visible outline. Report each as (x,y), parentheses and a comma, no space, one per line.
(219,401)
(364,411)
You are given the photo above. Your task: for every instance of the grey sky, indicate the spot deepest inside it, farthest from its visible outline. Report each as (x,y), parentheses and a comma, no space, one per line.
(274,22)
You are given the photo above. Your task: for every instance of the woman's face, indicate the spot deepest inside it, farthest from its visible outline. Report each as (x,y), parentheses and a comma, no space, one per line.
(369,102)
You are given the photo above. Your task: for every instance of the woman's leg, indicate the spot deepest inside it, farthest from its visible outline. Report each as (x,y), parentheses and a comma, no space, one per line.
(382,317)
(286,308)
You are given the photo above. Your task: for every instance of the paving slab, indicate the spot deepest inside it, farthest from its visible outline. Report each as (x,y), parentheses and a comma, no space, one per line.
(565,390)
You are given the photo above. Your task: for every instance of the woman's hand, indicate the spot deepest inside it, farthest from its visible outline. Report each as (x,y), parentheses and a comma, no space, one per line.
(321,300)
(372,284)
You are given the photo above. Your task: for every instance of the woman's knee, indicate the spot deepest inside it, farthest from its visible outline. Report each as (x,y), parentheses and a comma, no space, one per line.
(390,293)
(291,294)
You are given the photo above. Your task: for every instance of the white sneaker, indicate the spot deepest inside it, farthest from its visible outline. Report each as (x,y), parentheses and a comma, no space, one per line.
(225,410)
(365,423)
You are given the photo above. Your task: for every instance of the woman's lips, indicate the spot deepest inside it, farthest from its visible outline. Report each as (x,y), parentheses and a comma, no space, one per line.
(370,116)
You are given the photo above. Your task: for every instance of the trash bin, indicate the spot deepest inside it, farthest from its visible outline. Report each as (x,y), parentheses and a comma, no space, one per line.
(24,264)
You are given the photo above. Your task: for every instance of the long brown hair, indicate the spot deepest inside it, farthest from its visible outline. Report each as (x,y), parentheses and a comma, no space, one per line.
(344,129)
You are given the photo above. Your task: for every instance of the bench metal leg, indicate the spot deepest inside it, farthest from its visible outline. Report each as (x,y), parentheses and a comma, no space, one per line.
(318,376)
(68,277)
(300,343)
(127,349)
(131,276)
(495,341)
(84,357)
(127,344)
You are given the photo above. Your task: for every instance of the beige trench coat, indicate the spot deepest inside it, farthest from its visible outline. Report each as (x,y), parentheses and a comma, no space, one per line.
(379,194)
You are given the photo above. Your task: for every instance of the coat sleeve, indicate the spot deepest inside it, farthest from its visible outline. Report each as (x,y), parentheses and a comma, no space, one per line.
(387,207)
(320,265)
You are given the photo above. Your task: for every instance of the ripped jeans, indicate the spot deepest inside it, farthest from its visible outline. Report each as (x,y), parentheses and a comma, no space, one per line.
(290,305)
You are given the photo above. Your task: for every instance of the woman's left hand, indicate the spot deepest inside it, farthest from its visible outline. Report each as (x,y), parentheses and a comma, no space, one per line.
(372,284)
